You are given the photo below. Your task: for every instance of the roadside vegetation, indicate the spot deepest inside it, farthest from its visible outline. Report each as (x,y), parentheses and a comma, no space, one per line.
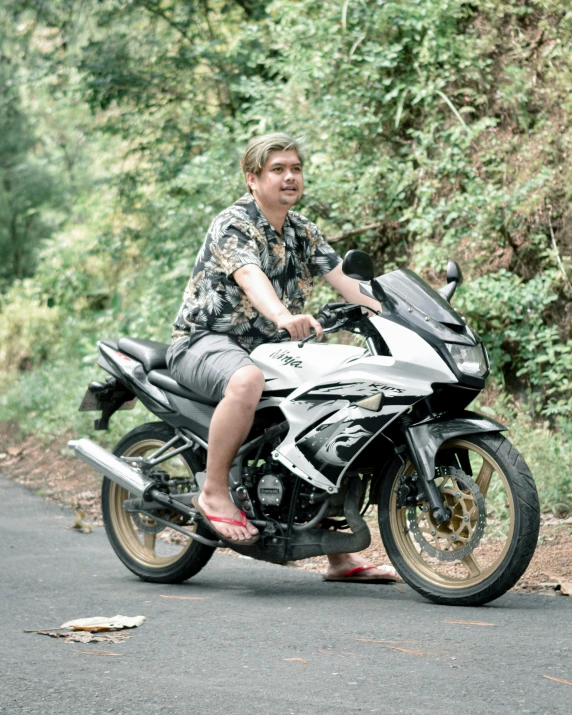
(436,129)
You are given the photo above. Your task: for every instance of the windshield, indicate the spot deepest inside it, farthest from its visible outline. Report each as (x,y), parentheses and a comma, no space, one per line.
(413,303)
(404,285)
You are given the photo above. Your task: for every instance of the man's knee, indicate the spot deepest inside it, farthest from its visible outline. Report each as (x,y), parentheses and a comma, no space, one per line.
(246,386)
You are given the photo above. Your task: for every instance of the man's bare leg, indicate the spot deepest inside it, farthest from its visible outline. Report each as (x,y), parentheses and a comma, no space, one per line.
(230,425)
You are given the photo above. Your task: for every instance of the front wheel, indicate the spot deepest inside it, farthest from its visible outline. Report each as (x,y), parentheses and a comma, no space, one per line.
(482,551)
(153,551)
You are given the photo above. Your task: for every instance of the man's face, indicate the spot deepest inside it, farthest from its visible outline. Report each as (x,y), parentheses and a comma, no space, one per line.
(281,181)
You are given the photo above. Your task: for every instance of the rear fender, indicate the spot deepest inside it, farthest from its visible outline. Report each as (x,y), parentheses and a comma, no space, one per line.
(427,437)
(108,397)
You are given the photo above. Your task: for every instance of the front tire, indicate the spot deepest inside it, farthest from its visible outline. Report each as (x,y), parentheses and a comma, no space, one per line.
(152,552)
(486,547)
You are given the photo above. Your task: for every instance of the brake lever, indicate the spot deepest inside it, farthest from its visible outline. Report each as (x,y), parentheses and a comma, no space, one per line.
(325,331)
(306,340)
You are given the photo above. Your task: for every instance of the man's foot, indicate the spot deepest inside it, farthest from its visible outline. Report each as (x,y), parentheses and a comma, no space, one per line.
(213,509)
(352,568)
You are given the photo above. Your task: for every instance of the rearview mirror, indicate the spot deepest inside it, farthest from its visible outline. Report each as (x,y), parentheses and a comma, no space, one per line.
(454,273)
(454,279)
(358,265)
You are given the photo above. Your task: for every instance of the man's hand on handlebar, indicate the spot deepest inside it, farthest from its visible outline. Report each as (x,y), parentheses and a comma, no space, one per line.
(300,326)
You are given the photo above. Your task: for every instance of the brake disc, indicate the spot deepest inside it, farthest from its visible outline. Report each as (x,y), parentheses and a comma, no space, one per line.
(460,536)
(146,524)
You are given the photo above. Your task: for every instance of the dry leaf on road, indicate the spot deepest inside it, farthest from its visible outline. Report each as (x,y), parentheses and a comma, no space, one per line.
(79,524)
(97,652)
(368,640)
(472,623)
(303,662)
(405,650)
(83,636)
(557,680)
(566,588)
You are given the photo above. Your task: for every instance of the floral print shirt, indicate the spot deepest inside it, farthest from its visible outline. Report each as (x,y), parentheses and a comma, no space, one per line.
(240,235)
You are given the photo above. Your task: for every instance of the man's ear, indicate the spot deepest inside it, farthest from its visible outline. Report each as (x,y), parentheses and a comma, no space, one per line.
(250,179)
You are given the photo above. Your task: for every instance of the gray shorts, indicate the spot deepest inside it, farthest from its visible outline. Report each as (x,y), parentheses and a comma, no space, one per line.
(205,361)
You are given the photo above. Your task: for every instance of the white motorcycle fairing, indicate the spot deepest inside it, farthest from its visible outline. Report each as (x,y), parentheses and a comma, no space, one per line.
(326,384)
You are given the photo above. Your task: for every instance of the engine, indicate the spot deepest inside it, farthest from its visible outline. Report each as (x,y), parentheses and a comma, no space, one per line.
(270,490)
(274,487)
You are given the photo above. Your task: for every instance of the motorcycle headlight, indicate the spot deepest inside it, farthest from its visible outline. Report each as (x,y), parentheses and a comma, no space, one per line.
(470,359)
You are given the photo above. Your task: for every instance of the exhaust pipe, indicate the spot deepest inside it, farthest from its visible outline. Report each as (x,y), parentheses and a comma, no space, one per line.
(110,466)
(121,473)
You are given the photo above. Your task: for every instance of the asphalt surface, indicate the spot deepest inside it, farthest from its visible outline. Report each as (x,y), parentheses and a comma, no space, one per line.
(232,651)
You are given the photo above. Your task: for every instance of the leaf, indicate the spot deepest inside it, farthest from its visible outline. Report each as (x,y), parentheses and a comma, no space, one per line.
(367,640)
(297,660)
(405,650)
(566,588)
(79,524)
(472,623)
(185,598)
(83,636)
(97,652)
(557,680)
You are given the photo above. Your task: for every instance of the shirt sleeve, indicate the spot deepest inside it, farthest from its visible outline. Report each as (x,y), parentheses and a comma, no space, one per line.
(236,247)
(323,258)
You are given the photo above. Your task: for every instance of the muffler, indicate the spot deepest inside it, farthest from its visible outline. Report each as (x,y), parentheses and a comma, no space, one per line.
(110,466)
(135,482)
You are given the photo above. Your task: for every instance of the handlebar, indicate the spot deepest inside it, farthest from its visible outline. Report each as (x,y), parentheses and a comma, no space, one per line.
(325,321)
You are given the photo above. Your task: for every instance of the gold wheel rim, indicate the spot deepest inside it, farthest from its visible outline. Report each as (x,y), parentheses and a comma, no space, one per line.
(140,545)
(476,567)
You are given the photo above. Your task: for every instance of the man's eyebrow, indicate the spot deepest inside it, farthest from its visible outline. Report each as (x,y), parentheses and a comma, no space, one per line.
(274,164)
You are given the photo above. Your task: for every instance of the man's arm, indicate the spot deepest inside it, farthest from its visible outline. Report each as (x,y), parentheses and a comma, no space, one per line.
(348,288)
(262,295)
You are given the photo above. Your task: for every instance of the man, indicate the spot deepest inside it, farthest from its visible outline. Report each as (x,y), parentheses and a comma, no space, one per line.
(251,278)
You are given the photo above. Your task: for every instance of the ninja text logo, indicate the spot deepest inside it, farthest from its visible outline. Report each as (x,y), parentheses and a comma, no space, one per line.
(285,357)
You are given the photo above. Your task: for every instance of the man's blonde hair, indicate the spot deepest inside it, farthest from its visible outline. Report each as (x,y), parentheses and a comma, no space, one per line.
(260,148)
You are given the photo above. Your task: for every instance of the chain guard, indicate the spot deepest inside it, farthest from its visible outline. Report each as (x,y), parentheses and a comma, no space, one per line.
(465,483)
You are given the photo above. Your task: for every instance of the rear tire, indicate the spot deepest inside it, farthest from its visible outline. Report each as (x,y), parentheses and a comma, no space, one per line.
(494,552)
(134,536)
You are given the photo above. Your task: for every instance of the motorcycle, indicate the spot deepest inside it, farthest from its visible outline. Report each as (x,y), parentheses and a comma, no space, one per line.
(338,428)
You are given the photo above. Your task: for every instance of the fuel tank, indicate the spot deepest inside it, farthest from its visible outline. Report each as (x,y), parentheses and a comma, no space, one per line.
(286,366)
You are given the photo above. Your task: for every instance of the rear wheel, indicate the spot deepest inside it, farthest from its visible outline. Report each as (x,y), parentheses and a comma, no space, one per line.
(149,549)
(487,545)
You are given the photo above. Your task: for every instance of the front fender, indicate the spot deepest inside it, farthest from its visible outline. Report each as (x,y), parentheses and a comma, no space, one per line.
(427,437)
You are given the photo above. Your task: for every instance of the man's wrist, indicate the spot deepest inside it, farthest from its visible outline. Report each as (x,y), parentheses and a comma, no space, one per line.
(280,314)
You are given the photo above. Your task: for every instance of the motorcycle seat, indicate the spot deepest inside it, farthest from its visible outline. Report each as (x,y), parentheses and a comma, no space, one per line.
(150,353)
(163,379)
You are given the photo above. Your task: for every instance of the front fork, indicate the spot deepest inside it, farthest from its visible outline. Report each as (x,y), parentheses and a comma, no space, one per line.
(424,440)
(440,512)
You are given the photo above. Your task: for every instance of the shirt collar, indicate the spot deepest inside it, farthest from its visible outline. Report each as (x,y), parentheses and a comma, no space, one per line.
(249,199)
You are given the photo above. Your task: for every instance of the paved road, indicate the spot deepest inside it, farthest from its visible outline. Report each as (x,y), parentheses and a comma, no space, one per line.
(227,653)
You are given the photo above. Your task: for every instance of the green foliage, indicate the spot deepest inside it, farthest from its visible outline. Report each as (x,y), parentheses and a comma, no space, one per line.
(546,450)
(45,403)
(445,124)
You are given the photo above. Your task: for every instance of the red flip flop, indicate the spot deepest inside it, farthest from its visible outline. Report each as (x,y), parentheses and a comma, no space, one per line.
(352,577)
(209,518)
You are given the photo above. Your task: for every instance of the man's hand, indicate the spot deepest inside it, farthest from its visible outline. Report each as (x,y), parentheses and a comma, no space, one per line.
(299,326)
